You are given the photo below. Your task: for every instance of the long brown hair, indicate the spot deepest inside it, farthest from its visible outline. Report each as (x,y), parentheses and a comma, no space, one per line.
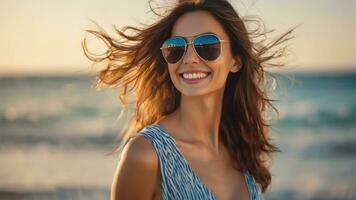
(135,64)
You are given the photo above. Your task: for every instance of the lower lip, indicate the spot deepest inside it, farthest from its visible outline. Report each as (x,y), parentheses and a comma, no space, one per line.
(194,81)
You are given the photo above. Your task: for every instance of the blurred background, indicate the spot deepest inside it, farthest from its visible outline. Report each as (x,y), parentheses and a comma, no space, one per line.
(56,130)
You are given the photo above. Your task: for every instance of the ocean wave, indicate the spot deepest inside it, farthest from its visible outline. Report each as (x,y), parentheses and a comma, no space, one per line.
(311,114)
(49,112)
(59,193)
(331,194)
(341,149)
(89,193)
(106,140)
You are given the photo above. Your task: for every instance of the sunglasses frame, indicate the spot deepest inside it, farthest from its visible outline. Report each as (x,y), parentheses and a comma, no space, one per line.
(191,43)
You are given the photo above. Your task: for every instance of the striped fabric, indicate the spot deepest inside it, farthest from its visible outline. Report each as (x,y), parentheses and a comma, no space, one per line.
(179,181)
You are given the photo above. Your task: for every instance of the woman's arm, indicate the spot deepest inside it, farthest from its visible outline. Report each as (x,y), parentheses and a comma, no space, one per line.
(137,173)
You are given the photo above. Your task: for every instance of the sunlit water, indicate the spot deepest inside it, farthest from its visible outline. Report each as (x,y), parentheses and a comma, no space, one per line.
(56,131)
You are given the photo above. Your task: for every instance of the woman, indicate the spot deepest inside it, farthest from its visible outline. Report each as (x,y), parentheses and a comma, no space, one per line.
(198,130)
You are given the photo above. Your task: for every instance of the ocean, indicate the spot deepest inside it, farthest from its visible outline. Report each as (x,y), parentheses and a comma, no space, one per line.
(57,132)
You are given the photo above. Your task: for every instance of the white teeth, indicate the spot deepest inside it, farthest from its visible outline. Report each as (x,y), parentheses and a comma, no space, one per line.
(199,75)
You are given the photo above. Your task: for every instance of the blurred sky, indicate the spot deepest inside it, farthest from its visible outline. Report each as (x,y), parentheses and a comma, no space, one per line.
(44,36)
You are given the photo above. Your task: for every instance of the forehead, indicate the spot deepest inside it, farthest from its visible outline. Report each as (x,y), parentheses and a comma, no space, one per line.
(197,22)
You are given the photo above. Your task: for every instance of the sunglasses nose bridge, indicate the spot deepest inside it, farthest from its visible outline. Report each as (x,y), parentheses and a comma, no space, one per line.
(190,53)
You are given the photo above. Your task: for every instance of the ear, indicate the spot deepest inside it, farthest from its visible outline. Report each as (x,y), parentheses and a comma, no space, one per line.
(236,65)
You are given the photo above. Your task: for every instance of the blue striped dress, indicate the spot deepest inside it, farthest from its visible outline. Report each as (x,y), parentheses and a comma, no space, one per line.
(178,180)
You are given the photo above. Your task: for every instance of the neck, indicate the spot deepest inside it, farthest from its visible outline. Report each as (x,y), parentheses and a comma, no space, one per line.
(199,118)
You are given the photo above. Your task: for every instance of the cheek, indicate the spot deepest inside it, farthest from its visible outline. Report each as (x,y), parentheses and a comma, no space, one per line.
(220,75)
(225,64)
(221,70)
(226,58)
(222,65)
(172,69)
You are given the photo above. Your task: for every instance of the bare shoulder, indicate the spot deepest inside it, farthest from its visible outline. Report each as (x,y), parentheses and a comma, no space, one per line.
(140,150)
(137,170)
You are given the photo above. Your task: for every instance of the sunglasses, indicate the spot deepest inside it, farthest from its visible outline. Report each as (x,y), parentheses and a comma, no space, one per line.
(206,46)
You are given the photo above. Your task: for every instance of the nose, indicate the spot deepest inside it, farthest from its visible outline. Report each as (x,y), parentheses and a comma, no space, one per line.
(190,56)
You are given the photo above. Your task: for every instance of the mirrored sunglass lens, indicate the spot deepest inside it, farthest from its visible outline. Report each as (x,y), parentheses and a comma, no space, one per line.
(173,49)
(207,46)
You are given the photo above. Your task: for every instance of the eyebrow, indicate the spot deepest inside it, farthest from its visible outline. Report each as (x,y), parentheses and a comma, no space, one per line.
(194,35)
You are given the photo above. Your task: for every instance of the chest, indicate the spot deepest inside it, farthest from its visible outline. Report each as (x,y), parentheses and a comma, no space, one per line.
(217,173)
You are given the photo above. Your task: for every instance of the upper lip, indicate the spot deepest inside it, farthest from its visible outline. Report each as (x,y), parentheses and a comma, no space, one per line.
(194,71)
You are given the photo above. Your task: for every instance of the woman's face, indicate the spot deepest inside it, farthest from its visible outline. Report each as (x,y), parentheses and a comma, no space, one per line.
(188,26)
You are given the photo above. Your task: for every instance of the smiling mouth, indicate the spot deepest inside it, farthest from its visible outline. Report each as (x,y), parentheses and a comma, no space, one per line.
(194,78)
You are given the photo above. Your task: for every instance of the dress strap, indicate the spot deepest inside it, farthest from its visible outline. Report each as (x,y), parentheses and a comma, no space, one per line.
(177,178)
